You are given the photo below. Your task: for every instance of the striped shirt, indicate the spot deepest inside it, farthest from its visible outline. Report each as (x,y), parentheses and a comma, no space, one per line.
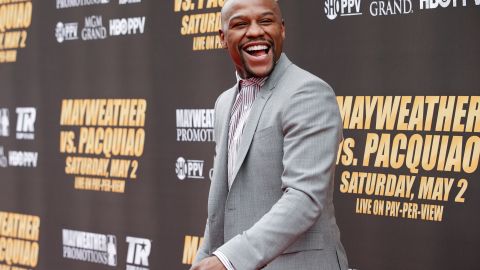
(248,90)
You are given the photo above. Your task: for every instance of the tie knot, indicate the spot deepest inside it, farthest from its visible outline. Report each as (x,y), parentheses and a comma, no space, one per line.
(253,82)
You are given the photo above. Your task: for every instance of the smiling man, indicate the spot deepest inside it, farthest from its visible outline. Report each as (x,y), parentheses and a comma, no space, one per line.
(277,133)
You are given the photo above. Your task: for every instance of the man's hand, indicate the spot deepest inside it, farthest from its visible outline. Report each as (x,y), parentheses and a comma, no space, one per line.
(209,263)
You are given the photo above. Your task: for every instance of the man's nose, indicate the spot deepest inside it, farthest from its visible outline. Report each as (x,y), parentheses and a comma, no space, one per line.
(255,30)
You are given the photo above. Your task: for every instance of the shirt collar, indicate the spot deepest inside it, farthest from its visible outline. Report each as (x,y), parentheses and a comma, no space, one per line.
(253,80)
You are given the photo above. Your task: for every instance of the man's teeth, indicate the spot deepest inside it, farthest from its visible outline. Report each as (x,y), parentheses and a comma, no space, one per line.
(256,48)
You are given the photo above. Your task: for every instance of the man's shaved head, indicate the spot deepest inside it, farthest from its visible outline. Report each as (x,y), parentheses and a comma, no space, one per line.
(226,12)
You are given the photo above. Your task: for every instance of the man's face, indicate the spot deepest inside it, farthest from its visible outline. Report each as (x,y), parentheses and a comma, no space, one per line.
(253,32)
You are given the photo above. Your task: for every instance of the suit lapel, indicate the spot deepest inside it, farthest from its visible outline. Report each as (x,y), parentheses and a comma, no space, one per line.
(256,111)
(219,188)
(225,121)
(250,127)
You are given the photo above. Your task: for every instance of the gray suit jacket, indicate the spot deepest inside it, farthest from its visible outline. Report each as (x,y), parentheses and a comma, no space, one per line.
(278,213)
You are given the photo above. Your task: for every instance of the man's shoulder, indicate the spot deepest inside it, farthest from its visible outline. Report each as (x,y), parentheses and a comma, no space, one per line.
(225,96)
(296,78)
(227,92)
(233,88)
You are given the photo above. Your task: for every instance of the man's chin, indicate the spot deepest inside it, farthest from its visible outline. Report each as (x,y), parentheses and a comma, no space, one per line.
(259,71)
(258,66)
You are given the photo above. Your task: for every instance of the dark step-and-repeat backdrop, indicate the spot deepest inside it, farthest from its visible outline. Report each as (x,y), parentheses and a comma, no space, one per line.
(106,117)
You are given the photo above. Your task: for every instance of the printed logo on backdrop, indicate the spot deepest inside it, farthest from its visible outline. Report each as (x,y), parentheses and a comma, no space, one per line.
(340,8)
(3,158)
(335,8)
(22,159)
(127,26)
(195,125)
(103,249)
(390,7)
(126,2)
(189,169)
(15,19)
(25,130)
(201,20)
(61,4)
(4,122)
(93,28)
(408,157)
(433,4)
(26,123)
(138,252)
(90,247)
(19,237)
(66,31)
(103,140)
(96,30)
(18,158)
(97,27)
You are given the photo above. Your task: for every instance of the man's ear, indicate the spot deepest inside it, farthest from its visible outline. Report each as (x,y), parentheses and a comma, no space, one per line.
(222,39)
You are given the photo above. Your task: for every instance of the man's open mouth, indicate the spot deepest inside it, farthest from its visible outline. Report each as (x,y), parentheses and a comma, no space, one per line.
(257,50)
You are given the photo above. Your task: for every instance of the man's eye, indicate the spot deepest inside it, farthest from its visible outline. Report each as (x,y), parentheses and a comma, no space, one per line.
(266,21)
(240,24)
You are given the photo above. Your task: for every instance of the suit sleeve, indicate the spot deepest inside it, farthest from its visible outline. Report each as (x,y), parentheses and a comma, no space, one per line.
(203,250)
(312,130)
